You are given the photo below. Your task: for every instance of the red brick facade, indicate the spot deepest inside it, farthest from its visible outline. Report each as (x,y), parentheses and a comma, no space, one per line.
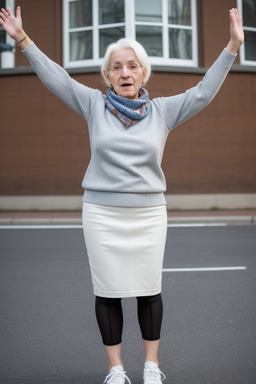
(44,145)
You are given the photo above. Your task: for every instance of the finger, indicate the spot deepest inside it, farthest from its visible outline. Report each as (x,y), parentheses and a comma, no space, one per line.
(233,11)
(237,16)
(9,11)
(5,13)
(18,12)
(232,15)
(2,15)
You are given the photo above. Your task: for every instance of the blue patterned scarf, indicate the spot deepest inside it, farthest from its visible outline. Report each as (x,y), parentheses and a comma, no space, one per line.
(129,111)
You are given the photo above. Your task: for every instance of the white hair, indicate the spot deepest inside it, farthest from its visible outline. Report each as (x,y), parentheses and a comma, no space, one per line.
(139,52)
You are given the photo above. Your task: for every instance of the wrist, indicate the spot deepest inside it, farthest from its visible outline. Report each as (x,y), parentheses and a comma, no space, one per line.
(233,47)
(19,36)
(22,40)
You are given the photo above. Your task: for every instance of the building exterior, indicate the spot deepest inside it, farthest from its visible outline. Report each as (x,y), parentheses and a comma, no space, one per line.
(209,161)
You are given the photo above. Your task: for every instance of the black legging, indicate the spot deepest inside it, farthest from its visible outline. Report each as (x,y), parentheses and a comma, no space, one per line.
(109,315)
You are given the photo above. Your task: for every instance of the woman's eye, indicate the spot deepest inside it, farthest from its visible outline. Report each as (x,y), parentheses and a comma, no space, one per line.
(133,67)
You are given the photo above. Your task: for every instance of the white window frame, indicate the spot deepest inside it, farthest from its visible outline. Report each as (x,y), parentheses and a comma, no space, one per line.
(8,58)
(130,26)
(243,60)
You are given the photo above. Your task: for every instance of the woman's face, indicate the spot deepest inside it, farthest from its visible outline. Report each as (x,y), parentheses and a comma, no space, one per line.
(125,73)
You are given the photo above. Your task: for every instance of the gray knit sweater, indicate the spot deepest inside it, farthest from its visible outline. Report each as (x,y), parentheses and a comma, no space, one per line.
(125,166)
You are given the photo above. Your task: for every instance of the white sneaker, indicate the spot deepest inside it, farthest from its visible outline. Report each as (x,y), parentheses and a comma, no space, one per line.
(152,374)
(116,376)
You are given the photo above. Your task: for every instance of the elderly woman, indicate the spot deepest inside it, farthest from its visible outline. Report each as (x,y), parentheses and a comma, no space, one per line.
(124,208)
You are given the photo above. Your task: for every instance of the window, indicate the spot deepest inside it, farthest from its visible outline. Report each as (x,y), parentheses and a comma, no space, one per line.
(89,26)
(166,29)
(153,25)
(247,9)
(7,45)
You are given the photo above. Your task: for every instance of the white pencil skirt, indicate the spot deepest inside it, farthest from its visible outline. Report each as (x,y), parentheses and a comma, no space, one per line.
(125,247)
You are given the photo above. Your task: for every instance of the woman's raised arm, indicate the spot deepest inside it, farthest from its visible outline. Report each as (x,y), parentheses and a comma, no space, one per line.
(77,96)
(236,31)
(13,26)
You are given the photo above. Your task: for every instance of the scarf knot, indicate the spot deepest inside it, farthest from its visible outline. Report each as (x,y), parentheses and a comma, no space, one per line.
(129,111)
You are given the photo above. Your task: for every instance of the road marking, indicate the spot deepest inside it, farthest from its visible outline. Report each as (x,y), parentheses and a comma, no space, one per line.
(39,226)
(188,225)
(210,269)
(79,226)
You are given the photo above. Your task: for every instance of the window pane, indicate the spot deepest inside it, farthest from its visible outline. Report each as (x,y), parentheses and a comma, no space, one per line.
(80,45)
(151,39)
(2,36)
(250,45)
(80,13)
(180,44)
(148,10)
(108,36)
(111,11)
(179,12)
(2,32)
(249,13)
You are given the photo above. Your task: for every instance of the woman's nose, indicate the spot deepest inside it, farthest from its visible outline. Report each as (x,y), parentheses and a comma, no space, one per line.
(125,72)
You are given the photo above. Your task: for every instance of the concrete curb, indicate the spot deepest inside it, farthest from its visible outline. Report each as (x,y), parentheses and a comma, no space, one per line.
(228,220)
(40,221)
(235,220)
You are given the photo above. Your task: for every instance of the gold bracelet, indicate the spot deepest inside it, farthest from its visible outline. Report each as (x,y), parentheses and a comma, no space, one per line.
(22,40)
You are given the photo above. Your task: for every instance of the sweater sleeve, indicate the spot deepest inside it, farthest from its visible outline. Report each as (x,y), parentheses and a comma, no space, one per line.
(74,94)
(181,107)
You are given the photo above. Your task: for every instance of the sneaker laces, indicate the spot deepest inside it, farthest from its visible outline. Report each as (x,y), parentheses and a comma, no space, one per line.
(153,376)
(116,377)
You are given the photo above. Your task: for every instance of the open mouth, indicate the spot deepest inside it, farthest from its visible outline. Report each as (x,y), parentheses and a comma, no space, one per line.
(126,85)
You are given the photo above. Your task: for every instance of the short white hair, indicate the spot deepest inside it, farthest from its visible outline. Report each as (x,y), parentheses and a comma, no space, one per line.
(139,52)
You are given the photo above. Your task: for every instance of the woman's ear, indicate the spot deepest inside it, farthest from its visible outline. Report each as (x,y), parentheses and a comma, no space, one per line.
(106,77)
(144,76)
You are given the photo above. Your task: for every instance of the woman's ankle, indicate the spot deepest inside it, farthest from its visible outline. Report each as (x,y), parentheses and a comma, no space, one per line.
(114,355)
(152,361)
(110,366)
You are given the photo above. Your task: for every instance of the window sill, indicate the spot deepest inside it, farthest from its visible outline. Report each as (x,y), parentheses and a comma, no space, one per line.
(155,68)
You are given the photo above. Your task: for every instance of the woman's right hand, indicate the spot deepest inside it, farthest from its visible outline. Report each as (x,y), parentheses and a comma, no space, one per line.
(12,24)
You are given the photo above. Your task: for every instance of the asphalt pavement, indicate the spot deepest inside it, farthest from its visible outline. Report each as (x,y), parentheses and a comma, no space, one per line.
(47,322)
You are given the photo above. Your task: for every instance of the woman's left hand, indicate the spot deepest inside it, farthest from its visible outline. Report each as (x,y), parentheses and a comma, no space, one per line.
(236,31)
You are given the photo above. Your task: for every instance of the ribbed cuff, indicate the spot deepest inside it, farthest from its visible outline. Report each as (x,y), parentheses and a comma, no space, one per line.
(123,199)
